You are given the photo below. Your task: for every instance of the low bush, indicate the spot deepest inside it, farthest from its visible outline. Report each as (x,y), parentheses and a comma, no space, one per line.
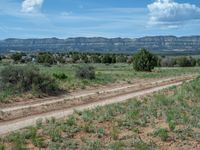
(94,145)
(18,141)
(85,72)
(114,133)
(27,78)
(172,125)
(139,144)
(2,147)
(60,76)
(100,132)
(45,58)
(162,133)
(118,145)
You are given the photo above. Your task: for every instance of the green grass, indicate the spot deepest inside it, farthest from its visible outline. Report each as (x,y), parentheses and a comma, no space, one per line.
(110,73)
(105,74)
(136,124)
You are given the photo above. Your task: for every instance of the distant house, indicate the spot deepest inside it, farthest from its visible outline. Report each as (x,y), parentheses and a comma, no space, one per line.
(33,60)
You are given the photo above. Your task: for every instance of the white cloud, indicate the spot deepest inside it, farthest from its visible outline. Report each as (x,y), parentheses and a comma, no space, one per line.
(31,6)
(169,13)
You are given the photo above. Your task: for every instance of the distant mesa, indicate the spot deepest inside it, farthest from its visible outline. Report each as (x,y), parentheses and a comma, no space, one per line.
(160,44)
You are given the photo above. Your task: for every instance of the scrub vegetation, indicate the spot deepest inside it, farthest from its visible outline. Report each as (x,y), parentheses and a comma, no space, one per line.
(167,119)
(68,77)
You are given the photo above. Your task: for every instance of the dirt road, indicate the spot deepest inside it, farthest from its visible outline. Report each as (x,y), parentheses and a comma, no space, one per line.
(118,94)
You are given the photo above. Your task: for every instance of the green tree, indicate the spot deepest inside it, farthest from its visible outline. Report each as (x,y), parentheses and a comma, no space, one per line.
(17,57)
(121,59)
(113,59)
(84,58)
(198,62)
(95,59)
(144,61)
(107,59)
(45,58)
(75,58)
(186,62)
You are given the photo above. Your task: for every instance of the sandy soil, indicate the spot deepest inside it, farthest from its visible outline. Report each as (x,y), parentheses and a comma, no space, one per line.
(9,126)
(80,98)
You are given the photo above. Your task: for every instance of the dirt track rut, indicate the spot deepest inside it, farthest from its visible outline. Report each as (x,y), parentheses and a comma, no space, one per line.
(16,124)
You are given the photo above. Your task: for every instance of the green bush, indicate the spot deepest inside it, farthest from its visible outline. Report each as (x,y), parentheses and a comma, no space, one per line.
(17,57)
(118,145)
(94,145)
(71,121)
(2,147)
(114,133)
(60,76)
(172,125)
(100,132)
(45,58)
(85,72)
(18,141)
(144,61)
(26,79)
(186,62)
(139,144)
(162,133)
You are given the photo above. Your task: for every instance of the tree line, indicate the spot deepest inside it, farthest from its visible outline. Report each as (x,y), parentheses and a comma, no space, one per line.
(76,57)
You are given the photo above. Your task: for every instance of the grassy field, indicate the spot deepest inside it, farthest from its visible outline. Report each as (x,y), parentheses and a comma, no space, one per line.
(170,119)
(111,73)
(105,74)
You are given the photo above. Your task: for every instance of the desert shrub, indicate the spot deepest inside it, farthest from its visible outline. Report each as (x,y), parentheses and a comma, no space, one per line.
(70,144)
(88,128)
(45,58)
(36,140)
(85,72)
(118,145)
(17,57)
(60,76)
(114,133)
(2,147)
(198,62)
(121,59)
(144,61)
(168,62)
(71,121)
(107,59)
(95,59)
(54,145)
(55,134)
(94,145)
(139,144)
(25,79)
(172,125)
(100,132)
(162,133)
(185,62)
(18,141)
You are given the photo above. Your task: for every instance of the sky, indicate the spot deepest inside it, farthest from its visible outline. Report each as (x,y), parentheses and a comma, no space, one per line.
(98,18)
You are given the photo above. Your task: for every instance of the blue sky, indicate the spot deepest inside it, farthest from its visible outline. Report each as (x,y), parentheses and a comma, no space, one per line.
(94,18)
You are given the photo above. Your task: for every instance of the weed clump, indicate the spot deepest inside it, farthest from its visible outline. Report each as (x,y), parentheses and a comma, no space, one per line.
(60,76)
(85,72)
(139,144)
(162,133)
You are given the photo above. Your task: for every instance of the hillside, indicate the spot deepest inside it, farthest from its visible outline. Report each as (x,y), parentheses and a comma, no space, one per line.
(159,44)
